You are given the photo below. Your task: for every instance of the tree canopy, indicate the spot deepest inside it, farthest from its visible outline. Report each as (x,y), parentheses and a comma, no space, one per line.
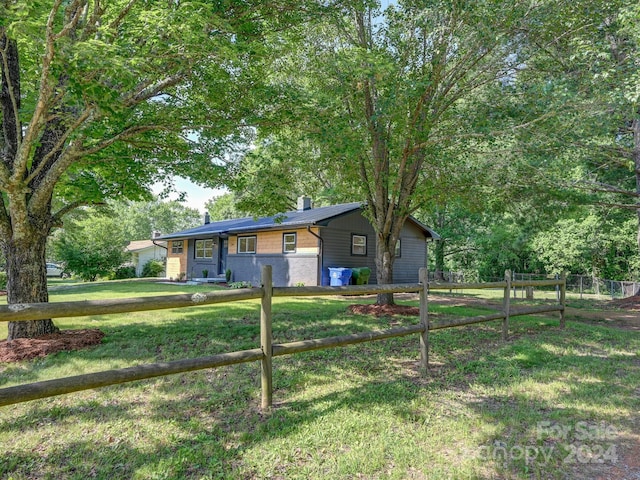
(395,106)
(100,100)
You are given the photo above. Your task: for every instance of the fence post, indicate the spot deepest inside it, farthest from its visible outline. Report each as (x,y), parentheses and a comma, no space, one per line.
(563,298)
(423,276)
(266,336)
(580,287)
(506,304)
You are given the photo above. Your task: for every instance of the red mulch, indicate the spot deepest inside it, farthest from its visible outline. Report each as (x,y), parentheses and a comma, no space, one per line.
(28,348)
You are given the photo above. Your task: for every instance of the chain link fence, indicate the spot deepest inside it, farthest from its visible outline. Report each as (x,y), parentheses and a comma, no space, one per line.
(583,286)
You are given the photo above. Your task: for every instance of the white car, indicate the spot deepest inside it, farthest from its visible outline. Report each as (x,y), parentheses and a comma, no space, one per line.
(54,270)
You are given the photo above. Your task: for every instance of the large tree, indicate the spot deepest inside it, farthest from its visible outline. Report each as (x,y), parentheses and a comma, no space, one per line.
(383,98)
(141,219)
(91,245)
(592,76)
(101,99)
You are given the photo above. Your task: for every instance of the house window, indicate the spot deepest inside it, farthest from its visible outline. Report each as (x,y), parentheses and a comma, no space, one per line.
(289,243)
(204,248)
(398,249)
(358,244)
(177,246)
(247,244)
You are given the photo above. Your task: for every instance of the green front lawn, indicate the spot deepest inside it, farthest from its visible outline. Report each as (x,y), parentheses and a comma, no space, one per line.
(570,397)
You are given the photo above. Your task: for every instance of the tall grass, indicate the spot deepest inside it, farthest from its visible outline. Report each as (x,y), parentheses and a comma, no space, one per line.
(362,411)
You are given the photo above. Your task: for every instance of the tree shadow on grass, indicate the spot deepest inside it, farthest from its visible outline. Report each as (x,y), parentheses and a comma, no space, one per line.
(212,417)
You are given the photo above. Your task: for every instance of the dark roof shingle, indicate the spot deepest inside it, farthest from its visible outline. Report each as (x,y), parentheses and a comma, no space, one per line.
(313,216)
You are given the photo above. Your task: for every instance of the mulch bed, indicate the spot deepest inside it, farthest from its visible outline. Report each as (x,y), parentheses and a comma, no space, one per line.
(28,348)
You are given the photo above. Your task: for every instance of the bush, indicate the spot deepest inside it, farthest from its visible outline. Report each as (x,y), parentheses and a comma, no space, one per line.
(153,268)
(3,280)
(127,271)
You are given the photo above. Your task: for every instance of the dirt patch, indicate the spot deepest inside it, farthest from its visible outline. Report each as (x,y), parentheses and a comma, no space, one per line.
(623,313)
(629,303)
(383,310)
(623,319)
(28,348)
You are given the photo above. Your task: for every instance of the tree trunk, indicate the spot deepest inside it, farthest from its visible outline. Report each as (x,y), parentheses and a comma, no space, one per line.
(636,159)
(384,271)
(27,282)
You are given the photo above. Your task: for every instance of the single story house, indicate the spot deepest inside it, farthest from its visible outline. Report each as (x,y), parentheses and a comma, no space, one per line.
(301,246)
(144,250)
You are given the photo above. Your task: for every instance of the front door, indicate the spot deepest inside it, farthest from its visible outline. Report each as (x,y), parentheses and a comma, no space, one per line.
(224,248)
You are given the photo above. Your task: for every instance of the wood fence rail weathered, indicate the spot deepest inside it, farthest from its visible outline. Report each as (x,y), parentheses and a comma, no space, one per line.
(267,350)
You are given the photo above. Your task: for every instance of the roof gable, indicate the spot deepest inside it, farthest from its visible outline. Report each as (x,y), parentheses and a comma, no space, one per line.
(137,245)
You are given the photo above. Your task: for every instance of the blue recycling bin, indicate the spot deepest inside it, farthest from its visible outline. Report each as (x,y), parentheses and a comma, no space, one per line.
(339,276)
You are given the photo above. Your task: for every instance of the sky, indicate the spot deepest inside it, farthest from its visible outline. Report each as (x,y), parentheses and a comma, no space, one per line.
(195,197)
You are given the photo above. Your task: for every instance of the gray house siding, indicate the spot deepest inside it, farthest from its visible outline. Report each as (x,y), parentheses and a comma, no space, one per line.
(288,270)
(324,239)
(336,245)
(195,266)
(337,236)
(413,252)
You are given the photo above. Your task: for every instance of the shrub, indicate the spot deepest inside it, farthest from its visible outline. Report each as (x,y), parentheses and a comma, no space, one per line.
(153,268)
(227,275)
(125,271)
(240,285)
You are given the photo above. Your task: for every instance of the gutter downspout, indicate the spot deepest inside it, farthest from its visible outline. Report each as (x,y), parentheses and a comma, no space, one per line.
(320,256)
(165,258)
(161,246)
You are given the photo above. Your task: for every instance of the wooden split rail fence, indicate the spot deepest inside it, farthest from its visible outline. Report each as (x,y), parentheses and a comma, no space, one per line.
(267,350)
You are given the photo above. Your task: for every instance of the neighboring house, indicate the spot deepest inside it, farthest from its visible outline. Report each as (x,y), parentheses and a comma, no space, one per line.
(300,246)
(144,250)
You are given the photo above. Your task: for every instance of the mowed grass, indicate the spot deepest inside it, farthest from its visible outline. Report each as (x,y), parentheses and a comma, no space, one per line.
(571,397)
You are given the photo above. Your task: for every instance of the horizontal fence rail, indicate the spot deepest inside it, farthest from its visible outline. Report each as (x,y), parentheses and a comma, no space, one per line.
(267,350)
(76,383)
(39,311)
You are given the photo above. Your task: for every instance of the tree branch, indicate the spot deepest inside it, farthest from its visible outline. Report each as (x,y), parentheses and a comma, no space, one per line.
(56,218)
(146,91)
(123,135)
(122,15)
(38,119)
(9,99)
(626,206)
(58,147)
(5,224)
(76,8)
(606,188)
